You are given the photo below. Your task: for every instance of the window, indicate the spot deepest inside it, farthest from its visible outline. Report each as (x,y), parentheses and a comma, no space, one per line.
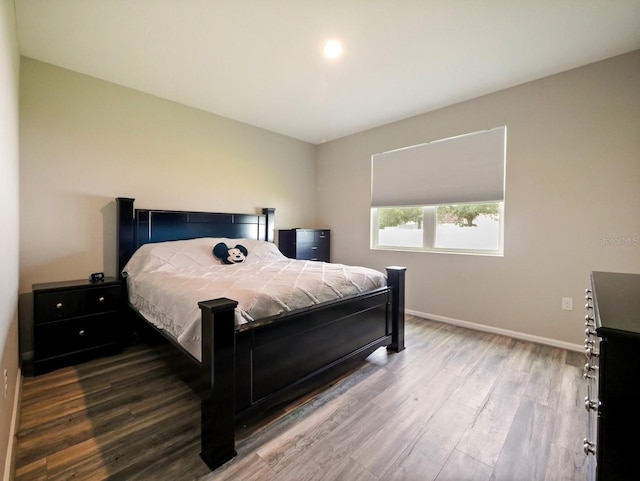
(472,228)
(446,195)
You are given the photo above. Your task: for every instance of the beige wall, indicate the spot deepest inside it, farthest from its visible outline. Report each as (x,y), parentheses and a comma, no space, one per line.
(9,239)
(572,200)
(85,141)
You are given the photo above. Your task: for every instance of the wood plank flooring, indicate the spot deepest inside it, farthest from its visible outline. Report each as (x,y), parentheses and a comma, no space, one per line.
(456,405)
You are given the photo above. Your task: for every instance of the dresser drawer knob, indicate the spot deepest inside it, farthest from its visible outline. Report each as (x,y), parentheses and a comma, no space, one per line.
(590,352)
(590,405)
(59,305)
(81,332)
(589,447)
(101,299)
(590,332)
(587,371)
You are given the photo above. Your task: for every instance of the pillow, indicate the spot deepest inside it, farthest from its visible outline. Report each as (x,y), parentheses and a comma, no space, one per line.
(172,255)
(230,255)
(192,253)
(263,251)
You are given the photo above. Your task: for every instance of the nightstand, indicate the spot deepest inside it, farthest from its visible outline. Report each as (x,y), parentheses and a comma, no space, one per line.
(75,321)
(308,244)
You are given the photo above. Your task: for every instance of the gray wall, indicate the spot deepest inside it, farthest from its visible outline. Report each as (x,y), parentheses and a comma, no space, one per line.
(572,201)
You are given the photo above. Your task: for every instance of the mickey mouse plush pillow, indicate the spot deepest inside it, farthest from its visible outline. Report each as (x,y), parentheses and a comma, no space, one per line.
(233,255)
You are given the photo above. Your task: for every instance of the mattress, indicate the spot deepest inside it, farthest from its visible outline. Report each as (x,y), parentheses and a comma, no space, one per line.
(166,281)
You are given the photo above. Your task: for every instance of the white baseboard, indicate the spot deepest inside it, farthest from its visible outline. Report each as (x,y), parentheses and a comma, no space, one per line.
(496,330)
(8,462)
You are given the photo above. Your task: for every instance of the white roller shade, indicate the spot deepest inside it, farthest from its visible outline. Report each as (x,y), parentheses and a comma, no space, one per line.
(468,168)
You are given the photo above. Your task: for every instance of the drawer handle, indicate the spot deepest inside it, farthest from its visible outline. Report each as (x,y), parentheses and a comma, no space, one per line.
(101,299)
(313,248)
(590,352)
(590,405)
(590,332)
(589,447)
(81,332)
(59,305)
(588,368)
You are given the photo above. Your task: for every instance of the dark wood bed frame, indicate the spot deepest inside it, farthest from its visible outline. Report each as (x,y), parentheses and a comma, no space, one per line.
(246,370)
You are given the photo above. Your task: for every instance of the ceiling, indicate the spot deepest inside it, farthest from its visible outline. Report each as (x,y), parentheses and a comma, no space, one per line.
(260,61)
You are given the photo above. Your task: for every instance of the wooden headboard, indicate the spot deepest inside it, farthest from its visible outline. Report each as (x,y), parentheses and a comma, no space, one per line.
(136,227)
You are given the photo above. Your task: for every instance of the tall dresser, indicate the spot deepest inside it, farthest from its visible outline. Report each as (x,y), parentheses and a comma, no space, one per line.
(612,373)
(308,244)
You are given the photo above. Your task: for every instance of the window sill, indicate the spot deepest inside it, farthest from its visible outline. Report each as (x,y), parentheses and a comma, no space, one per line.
(440,251)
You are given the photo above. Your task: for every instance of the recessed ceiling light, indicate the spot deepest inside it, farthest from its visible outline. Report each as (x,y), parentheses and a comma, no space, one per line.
(332,49)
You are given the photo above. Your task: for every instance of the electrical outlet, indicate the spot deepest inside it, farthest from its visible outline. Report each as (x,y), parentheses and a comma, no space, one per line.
(567,303)
(6,384)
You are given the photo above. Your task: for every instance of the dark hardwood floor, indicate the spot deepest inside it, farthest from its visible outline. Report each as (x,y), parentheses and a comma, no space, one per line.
(456,405)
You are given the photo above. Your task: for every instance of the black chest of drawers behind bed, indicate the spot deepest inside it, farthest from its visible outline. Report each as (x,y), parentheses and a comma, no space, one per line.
(305,244)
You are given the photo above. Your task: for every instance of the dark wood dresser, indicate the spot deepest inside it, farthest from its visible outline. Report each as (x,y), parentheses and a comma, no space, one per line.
(307,244)
(612,372)
(75,321)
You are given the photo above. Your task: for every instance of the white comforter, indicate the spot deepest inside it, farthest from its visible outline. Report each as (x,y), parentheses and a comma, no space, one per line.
(167,280)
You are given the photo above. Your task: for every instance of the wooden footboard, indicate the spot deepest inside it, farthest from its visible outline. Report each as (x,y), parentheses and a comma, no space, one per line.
(284,357)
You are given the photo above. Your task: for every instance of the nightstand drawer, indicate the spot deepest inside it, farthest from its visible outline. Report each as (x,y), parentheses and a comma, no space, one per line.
(56,306)
(69,336)
(65,304)
(102,299)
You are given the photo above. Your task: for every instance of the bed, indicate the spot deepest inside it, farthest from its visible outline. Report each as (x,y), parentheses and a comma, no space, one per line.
(245,362)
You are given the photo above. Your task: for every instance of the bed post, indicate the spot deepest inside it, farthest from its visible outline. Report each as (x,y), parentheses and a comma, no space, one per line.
(218,403)
(125,232)
(396,280)
(270,223)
